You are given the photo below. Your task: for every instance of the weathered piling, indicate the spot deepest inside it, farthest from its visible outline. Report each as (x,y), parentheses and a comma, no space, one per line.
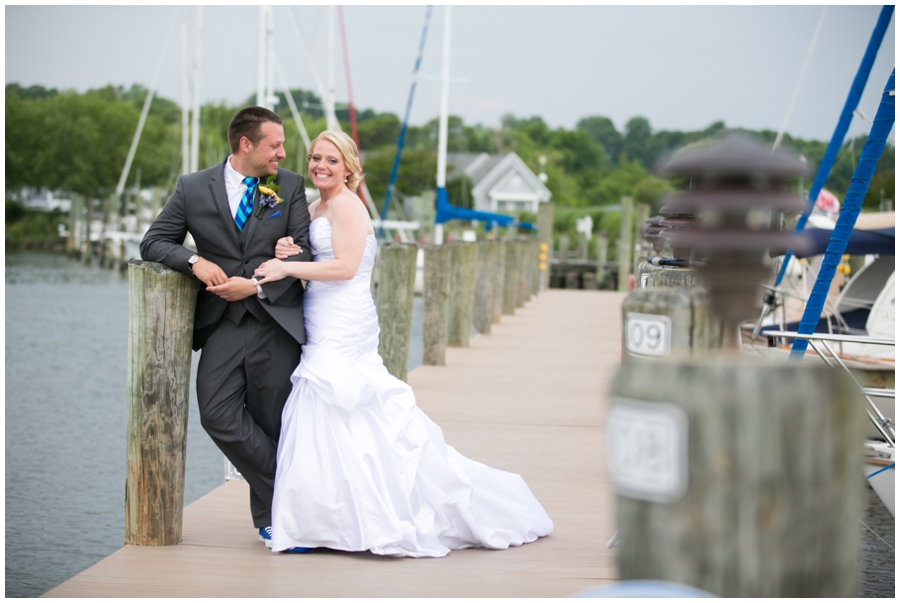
(602,257)
(741,479)
(510,278)
(396,287)
(624,251)
(483,305)
(662,322)
(734,475)
(435,291)
(498,280)
(522,264)
(640,246)
(545,237)
(160,331)
(534,268)
(463,259)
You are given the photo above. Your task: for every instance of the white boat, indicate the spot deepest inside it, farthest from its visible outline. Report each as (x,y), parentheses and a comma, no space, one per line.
(858,324)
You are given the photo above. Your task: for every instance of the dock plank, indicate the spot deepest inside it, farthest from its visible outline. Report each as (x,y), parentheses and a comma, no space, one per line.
(529,398)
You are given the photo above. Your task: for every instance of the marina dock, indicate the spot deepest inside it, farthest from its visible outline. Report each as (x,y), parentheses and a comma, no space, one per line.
(529,398)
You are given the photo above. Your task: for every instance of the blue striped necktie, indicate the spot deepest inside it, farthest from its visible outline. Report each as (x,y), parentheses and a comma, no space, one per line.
(246,207)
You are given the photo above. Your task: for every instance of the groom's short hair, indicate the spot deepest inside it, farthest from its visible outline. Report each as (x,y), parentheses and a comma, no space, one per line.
(248,122)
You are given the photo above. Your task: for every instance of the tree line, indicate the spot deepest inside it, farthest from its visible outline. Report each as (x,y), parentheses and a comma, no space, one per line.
(77,142)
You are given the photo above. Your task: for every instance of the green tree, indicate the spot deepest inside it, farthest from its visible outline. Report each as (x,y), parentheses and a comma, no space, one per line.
(603,132)
(379,131)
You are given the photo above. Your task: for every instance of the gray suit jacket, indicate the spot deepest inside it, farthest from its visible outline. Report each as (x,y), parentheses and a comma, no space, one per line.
(199,205)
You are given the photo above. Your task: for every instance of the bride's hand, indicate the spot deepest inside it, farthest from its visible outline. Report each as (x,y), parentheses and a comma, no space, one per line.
(285,248)
(273,270)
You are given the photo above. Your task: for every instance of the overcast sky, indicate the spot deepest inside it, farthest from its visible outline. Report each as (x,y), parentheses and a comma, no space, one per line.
(680,67)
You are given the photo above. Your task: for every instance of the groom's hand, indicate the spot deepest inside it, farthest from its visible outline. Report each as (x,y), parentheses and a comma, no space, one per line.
(209,273)
(285,248)
(236,289)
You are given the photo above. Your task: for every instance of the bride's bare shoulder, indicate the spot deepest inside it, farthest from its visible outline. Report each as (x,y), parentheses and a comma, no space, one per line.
(349,206)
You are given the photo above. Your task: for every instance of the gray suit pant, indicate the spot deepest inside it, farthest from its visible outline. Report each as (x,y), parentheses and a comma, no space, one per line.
(243,381)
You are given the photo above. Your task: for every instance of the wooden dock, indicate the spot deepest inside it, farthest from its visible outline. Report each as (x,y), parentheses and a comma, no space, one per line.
(529,398)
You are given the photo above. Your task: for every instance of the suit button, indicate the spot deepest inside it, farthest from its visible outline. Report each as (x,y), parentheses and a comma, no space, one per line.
(246,261)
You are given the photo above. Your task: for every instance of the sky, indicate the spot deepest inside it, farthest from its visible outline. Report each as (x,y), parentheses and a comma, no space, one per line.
(681,67)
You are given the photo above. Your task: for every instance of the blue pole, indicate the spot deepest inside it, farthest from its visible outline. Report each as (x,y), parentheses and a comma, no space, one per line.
(840,131)
(859,185)
(412,92)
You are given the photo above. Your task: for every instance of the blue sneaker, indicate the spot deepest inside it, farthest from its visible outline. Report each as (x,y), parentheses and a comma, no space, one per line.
(298,550)
(265,536)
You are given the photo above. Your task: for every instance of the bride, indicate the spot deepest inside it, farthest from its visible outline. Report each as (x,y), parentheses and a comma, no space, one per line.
(360,467)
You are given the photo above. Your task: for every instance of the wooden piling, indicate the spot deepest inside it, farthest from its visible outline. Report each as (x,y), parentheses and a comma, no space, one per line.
(602,257)
(640,248)
(740,478)
(463,260)
(545,236)
(498,279)
(563,252)
(435,291)
(74,240)
(535,267)
(483,305)
(624,254)
(510,278)
(661,322)
(160,331)
(522,264)
(396,287)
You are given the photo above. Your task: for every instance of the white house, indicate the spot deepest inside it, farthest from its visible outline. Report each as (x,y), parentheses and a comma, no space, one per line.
(499,183)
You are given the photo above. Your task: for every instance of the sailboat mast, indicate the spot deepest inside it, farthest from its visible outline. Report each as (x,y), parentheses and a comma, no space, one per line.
(195,129)
(442,123)
(261,60)
(185,101)
(331,111)
(270,59)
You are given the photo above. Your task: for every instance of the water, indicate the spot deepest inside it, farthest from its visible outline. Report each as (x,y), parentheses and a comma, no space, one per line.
(66,336)
(66,355)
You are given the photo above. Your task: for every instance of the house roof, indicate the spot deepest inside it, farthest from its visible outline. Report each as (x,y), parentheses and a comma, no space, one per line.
(488,172)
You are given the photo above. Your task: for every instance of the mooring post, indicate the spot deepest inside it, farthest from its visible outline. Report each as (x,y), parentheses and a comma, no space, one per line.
(463,260)
(534,268)
(602,256)
(545,237)
(735,475)
(396,287)
(483,306)
(498,280)
(160,331)
(624,250)
(435,292)
(510,278)
(522,277)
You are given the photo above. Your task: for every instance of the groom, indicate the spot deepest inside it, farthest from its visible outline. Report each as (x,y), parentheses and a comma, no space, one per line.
(250,334)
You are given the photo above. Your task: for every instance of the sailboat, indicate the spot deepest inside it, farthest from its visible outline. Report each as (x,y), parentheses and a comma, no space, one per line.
(868,345)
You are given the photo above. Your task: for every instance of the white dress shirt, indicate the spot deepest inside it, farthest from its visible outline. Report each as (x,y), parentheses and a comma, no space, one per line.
(235,189)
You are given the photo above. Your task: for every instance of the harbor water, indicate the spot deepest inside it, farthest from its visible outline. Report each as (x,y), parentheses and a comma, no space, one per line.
(66,336)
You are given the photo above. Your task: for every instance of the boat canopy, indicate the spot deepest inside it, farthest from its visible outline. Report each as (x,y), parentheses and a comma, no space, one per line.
(862,242)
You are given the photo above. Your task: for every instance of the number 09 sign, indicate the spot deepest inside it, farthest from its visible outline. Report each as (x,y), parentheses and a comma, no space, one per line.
(647,334)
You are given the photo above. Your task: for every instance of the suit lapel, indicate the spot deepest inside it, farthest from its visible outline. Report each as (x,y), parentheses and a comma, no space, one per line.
(220,199)
(252,221)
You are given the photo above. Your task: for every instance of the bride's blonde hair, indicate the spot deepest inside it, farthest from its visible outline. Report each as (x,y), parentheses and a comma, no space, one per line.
(348,151)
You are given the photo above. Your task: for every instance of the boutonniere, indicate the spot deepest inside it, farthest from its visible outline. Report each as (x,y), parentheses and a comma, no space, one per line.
(268,195)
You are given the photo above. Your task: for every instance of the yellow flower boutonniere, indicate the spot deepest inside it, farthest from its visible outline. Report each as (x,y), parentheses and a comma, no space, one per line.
(268,195)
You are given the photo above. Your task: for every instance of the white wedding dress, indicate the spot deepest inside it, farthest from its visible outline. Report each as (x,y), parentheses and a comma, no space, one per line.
(360,466)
